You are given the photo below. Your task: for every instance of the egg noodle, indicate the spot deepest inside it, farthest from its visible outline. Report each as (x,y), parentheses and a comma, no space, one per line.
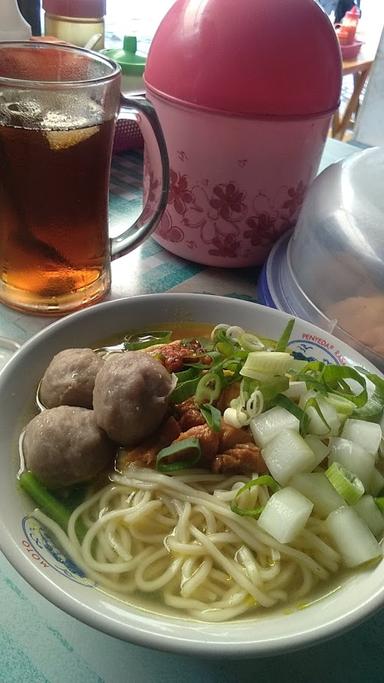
(176,536)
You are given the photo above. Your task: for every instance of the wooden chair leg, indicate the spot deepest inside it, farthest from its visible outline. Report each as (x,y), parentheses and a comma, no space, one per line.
(335,123)
(353,104)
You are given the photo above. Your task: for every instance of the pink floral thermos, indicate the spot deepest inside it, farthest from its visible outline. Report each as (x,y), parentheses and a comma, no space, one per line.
(245,91)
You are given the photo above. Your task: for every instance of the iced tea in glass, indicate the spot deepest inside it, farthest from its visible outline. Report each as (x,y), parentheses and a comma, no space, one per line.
(58,107)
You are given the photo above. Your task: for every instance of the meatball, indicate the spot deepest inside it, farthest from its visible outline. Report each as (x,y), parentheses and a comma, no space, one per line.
(70,378)
(131,395)
(64,446)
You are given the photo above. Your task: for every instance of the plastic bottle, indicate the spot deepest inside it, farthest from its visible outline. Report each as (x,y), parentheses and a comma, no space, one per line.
(13,26)
(132,66)
(75,21)
(348,27)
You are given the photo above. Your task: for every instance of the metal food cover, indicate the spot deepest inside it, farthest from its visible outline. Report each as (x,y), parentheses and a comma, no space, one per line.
(332,269)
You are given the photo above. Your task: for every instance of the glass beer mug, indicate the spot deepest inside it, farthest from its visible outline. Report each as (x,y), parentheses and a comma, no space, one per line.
(58,107)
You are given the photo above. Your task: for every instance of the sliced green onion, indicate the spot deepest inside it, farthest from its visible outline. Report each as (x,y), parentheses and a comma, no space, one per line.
(264,480)
(380,503)
(255,404)
(375,379)
(234,332)
(334,376)
(332,379)
(212,416)
(218,332)
(267,363)
(224,344)
(191,445)
(48,504)
(313,367)
(311,374)
(346,484)
(236,417)
(184,390)
(225,347)
(273,387)
(294,409)
(185,375)
(313,403)
(208,388)
(249,342)
(135,342)
(373,409)
(285,337)
(344,406)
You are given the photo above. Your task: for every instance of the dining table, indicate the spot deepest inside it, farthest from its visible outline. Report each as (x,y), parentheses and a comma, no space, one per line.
(41,644)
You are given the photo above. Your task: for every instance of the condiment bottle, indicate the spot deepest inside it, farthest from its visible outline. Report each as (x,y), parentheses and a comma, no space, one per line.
(132,66)
(347,30)
(75,21)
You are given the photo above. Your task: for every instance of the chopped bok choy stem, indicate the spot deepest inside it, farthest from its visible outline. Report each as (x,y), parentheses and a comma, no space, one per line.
(368,435)
(353,457)
(295,390)
(319,448)
(316,487)
(288,454)
(352,537)
(323,418)
(376,483)
(285,514)
(367,509)
(266,426)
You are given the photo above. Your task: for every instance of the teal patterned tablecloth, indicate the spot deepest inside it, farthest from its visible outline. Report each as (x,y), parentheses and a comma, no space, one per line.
(41,644)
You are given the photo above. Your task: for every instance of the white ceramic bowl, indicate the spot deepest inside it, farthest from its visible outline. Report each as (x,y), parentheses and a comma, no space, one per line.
(45,568)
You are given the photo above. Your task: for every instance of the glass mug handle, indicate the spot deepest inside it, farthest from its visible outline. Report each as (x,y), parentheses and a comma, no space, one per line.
(142,111)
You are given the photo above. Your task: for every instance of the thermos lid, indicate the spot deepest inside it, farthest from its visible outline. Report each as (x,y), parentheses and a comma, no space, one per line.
(131,63)
(250,57)
(80,9)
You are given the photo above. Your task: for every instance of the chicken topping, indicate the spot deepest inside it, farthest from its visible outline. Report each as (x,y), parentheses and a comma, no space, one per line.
(175,354)
(145,454)
(188,414)
(244,458)
(209,441)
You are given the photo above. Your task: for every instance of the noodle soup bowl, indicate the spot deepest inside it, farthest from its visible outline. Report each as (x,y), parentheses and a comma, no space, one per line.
(338,606)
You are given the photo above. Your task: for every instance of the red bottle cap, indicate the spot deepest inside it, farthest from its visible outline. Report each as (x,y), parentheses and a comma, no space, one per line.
(354,12)
(80,9)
